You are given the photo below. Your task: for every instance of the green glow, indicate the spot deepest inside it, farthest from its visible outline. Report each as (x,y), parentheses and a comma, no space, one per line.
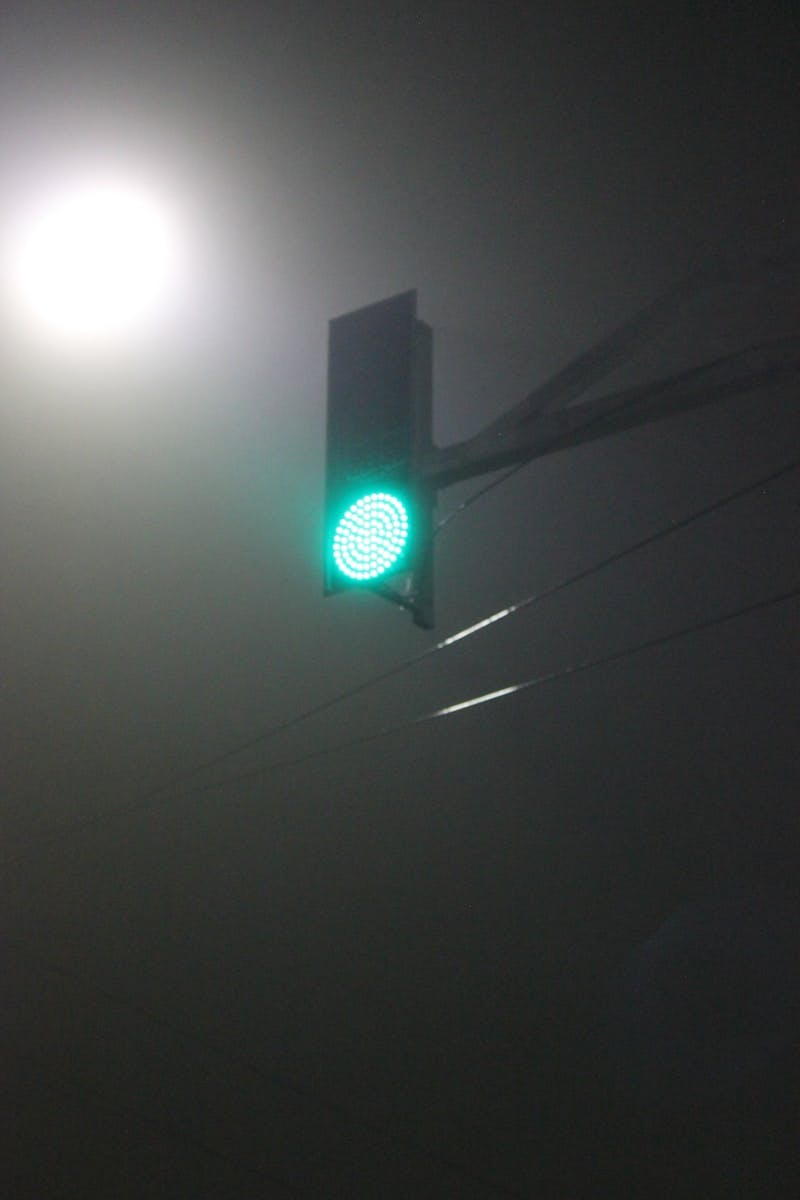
(370,537)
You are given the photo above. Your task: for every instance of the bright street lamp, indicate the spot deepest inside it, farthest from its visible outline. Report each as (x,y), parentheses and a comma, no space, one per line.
(92,262)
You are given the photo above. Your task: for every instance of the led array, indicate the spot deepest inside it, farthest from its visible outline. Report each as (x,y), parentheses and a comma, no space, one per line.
(370,536)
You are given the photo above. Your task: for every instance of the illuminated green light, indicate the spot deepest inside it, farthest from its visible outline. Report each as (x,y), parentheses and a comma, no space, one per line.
(370,537)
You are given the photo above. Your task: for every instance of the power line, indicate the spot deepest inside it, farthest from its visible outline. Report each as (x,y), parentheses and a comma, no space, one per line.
(178,783)
(537,681)
(469,631)
(603,660)
(476,495)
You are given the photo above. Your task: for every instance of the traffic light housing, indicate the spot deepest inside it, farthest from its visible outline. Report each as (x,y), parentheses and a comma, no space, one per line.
(378,509)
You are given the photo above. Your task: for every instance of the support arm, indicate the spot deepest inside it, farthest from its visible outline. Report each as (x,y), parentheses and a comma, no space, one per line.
(495,448)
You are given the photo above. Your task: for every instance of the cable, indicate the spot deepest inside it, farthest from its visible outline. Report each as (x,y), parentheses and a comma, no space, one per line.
(212,1046)
(537,681)
(429,651)
(470,500)
(616,656)
(501,614)
(143,801)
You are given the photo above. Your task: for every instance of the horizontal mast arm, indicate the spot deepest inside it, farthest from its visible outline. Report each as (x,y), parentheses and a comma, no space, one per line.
(495,448)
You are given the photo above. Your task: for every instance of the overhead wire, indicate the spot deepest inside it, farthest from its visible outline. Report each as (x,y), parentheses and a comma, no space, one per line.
(179,785)
(477,494)
(486,698)
(534,682)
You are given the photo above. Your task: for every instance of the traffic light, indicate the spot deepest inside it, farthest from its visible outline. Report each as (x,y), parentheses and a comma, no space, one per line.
(378,510)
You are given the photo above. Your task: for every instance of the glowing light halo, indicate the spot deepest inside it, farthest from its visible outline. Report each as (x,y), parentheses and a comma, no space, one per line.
(92,260)
(371,536)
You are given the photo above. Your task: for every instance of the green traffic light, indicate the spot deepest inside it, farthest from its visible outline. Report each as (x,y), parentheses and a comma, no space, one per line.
(371,536)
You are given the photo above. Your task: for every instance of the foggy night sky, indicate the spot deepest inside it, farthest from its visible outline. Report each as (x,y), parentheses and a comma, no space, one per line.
(546,948)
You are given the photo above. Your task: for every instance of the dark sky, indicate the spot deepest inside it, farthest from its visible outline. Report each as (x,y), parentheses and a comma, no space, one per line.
(543,948)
